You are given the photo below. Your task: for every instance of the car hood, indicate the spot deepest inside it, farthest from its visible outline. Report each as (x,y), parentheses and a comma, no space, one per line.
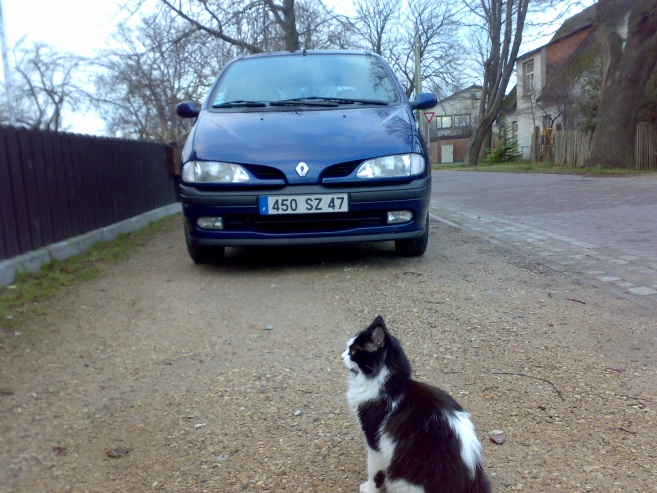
(319,138)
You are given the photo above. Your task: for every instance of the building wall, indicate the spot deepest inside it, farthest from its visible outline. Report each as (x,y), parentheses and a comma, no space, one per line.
(465,102)
(530,112)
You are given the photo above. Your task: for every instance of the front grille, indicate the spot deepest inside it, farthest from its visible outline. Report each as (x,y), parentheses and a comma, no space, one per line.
(307,223)
(266,172)
(340,170)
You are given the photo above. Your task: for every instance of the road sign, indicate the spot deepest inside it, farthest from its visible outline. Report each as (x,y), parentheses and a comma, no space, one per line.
(429,115)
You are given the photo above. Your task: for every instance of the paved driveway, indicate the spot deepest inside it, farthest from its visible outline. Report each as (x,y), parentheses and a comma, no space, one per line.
(603,230)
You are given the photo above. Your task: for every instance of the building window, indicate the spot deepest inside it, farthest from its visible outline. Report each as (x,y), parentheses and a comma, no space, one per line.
(514,131)
(528,68)
(444,121)
(461,121)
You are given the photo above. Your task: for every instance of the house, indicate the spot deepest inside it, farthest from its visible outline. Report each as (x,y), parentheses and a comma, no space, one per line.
(549,81)
(453,123)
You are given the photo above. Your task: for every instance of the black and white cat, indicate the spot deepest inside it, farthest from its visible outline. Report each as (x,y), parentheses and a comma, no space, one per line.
(419,439)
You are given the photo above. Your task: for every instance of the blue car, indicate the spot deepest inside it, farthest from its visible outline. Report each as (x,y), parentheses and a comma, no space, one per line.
(307,147)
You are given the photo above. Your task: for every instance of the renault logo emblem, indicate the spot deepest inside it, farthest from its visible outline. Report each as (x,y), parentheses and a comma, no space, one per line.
(302,169)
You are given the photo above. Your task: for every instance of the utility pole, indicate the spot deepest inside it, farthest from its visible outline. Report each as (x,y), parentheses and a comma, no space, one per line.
(424,125)
(6,71)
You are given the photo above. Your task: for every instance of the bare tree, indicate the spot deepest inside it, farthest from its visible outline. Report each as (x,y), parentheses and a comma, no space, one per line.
(320,28)
(626,68)
(391,28)
(503,22)
(252,26)
(376,23)
(160,62)
(47,83)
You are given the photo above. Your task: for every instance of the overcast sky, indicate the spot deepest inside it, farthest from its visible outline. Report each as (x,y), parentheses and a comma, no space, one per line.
(78,26)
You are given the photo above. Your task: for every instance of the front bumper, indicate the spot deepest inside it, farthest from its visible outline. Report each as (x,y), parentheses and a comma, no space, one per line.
(365,221)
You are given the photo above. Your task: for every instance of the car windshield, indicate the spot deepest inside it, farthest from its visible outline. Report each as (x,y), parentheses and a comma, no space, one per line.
(298,79)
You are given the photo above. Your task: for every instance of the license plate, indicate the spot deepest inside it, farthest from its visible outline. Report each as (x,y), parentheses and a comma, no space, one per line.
(303,204)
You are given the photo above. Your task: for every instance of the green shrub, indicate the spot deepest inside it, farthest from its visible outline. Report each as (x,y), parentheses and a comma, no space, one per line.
(507,150)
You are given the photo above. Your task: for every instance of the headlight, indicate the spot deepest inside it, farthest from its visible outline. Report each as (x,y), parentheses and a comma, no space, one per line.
(213,172)
(392,166)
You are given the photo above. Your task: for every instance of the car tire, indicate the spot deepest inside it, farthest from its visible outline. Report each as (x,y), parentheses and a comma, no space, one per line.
(413,247)
(203,254)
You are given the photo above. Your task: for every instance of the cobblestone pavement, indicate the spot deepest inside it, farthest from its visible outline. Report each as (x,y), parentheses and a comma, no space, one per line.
(601,229)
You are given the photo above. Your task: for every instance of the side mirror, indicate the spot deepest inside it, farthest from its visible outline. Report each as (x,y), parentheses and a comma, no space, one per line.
(424,101)
(188,109)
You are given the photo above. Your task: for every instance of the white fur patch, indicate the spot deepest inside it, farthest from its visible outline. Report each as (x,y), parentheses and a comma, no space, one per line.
(362,389)
(378,460)
(402,486)
(460,422)
(346,359)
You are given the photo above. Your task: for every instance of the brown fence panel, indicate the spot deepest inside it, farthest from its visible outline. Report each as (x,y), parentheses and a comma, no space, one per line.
(54,186)
(460,149)
(573,147)
(646,146)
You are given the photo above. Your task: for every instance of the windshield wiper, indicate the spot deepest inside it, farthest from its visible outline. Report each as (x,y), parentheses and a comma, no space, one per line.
(240,104)
(309,101)
(357,101)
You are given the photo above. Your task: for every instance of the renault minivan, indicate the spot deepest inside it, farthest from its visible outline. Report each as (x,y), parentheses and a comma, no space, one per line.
(308,147)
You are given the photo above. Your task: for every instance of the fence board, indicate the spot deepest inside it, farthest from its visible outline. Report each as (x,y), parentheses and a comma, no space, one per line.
(78,191)
(8,243)
(18,187)
(42,190)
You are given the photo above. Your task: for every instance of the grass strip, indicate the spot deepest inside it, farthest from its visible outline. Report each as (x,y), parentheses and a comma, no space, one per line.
(29,288)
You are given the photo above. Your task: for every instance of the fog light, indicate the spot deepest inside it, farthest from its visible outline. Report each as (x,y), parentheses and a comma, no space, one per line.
(210,222)
(396,217)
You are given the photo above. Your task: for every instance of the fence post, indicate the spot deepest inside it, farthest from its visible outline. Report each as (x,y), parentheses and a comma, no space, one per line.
(534,151)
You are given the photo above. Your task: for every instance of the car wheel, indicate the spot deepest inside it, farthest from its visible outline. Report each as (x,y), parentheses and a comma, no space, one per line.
(203,254)
(413,247)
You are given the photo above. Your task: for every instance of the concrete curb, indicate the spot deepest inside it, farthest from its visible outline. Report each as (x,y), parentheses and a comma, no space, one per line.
(33,261)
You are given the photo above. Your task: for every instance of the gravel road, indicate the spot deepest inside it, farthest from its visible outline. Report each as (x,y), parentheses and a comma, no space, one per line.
(165,376)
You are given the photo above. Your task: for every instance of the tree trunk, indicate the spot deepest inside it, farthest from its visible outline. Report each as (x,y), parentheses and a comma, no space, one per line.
(286,19)
(505,35)
(481,138)
(614,139)
(626,71)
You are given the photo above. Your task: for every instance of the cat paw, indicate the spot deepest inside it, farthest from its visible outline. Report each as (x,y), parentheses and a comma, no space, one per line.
(369,487)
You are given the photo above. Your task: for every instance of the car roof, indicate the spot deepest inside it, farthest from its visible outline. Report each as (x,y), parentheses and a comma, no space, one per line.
(305,52)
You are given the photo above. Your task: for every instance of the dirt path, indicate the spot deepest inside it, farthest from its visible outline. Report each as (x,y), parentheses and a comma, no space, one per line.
(174,363)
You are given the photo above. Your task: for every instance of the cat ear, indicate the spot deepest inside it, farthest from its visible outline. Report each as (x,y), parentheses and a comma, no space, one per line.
(379,336)
(377,340)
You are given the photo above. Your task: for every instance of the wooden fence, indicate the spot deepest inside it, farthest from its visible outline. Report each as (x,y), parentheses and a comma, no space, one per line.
(459,149)
(646,146)
(54,186)
(573,147)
